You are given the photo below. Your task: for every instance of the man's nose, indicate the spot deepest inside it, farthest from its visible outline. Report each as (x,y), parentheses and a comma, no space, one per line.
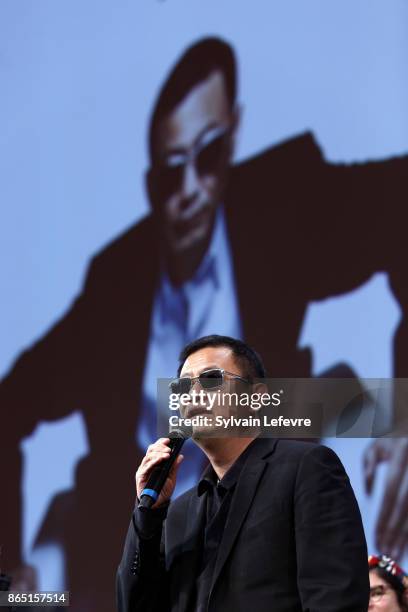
(196,386)
(196,393)
(191,182)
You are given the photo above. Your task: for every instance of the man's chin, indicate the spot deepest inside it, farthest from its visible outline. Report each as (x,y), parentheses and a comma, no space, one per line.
(202,432)
(192,241)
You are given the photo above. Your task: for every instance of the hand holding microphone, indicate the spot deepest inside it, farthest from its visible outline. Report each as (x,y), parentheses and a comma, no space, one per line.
(157,473)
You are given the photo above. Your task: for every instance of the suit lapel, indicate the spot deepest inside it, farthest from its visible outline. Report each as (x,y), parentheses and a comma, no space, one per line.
(191,549)
(242,500)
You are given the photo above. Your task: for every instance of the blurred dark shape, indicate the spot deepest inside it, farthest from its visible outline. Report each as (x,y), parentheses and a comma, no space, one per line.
(5,582)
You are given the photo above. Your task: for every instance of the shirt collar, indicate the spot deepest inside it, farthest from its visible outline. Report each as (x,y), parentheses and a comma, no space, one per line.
(209,478)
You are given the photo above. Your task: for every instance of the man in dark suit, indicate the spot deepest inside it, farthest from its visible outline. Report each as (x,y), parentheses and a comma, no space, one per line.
(272,525)
(250,245)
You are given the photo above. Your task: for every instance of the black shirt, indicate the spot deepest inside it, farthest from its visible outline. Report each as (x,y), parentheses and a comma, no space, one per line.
(219,497)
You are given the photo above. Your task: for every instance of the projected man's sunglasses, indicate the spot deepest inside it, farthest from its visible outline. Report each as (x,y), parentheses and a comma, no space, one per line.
(210,379)
(206,155)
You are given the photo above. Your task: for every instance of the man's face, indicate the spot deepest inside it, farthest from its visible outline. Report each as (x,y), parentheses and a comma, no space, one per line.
(192,155)
(203,360)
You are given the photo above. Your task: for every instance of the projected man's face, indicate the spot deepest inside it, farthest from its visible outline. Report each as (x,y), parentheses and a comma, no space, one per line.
(192,156)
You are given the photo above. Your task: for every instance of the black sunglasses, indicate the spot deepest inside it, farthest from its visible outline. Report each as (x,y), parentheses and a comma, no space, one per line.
(210,379)
(207,157)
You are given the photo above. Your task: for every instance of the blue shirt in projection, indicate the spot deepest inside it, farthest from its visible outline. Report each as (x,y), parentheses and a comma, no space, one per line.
(206,304)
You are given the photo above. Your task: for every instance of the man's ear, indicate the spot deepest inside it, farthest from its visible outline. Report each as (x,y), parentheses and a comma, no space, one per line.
(151,189)
(236,116)
(236,122)
(260,387)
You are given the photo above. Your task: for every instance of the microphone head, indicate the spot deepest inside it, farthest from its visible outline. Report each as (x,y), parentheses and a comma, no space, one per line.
(181,431)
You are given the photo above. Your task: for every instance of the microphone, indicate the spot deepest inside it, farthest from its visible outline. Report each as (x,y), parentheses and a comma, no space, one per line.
(159,474)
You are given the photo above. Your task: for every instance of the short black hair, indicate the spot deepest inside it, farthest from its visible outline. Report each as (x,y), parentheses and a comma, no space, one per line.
(249,360)
(195,65)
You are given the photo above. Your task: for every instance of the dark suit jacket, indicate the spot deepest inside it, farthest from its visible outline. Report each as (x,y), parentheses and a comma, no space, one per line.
(293,542)
(289,215)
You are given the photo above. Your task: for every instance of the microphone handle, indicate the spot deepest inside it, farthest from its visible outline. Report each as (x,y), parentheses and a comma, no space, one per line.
(159,475)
